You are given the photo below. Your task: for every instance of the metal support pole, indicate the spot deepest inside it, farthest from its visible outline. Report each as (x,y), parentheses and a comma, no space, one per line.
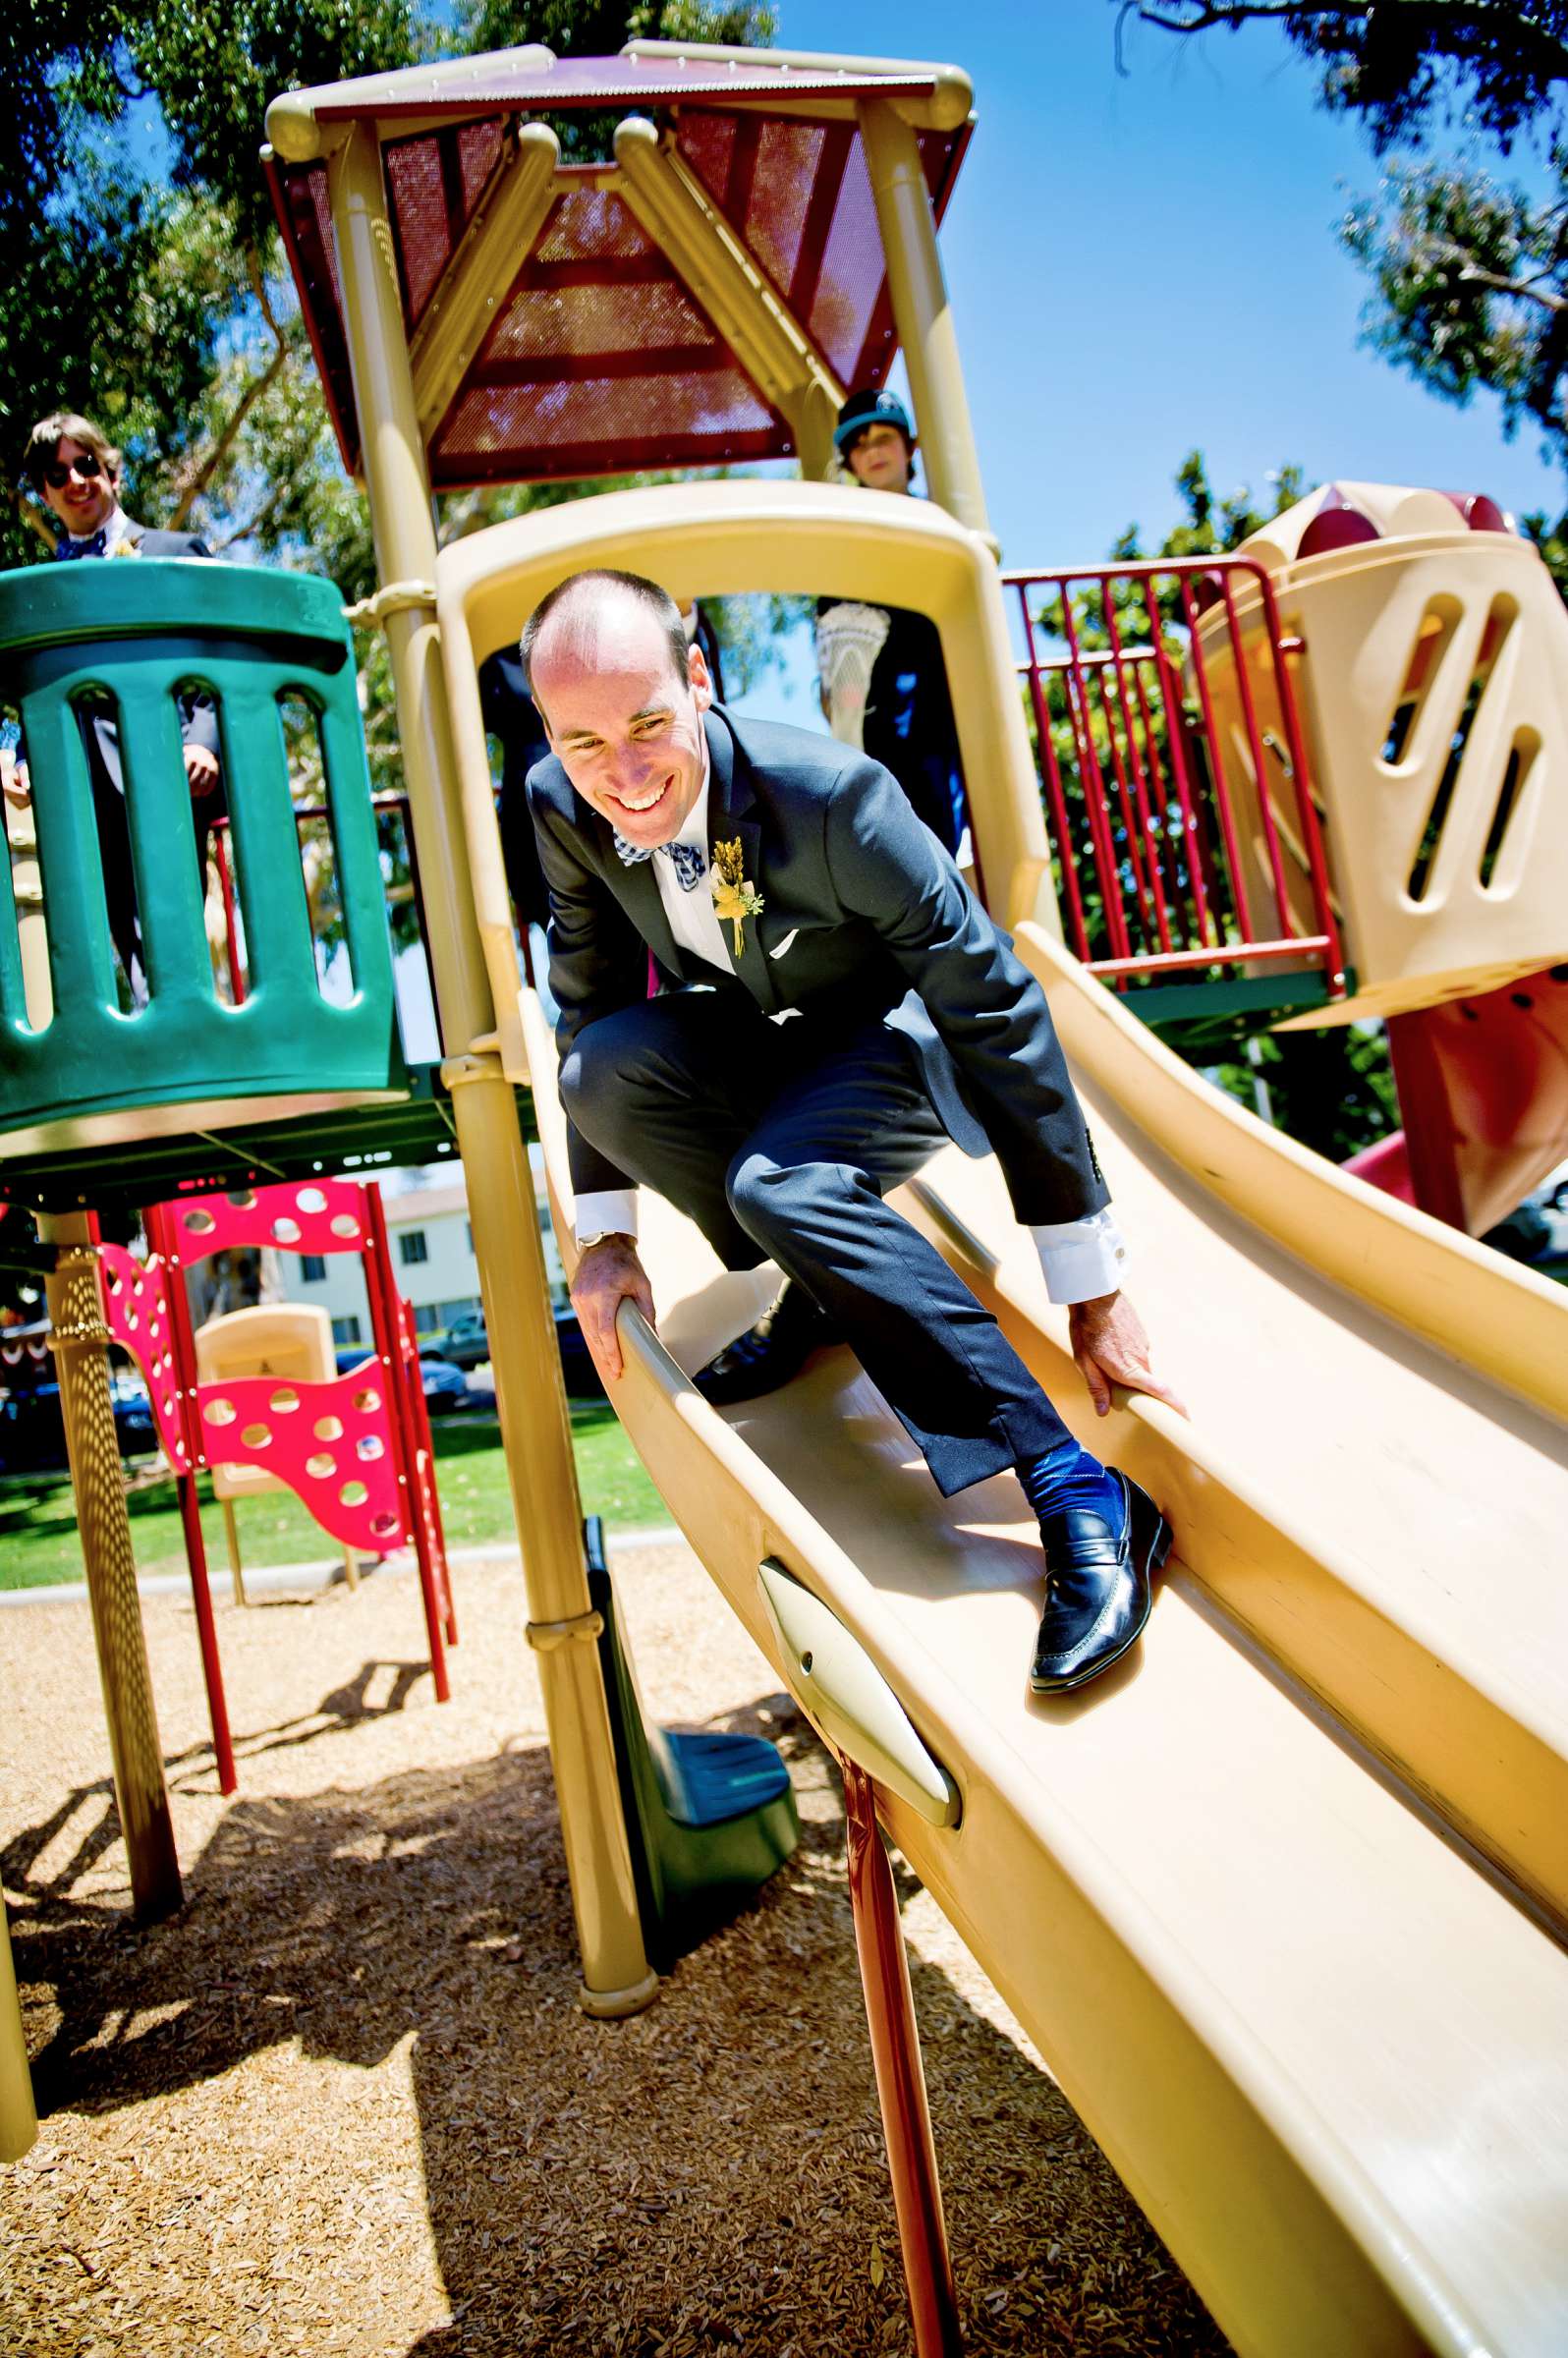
(195,1552)
(231,1531)
(900,2079)
(530,1398)
(19,2120)
(922,314)
(76,1308)
(163,1239)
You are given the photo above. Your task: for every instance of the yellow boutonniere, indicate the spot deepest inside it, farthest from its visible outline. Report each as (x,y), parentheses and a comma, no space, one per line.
(124,548)
(734,898)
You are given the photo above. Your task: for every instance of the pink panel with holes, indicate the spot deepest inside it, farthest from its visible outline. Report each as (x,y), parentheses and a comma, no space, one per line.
(135,1296)
(308,1215)
(328,1441)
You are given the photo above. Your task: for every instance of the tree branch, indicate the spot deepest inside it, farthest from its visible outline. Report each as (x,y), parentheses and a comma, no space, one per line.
(1204,14)
(201,476)
(268,509)
(258,287)
(1522,290)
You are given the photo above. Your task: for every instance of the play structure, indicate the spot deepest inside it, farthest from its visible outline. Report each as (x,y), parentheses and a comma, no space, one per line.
(255,1399)
(1282,1899)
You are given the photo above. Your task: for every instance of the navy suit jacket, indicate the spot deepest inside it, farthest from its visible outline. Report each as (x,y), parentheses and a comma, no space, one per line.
(865,914)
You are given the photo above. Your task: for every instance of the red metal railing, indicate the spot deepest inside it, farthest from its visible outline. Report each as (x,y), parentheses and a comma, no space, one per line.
(1173,768)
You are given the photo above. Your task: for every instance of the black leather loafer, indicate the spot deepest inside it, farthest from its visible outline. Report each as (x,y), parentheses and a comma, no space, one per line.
(1099,1588)
(768,1354)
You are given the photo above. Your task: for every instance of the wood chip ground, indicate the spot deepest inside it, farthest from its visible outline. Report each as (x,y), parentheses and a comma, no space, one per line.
(344,2105)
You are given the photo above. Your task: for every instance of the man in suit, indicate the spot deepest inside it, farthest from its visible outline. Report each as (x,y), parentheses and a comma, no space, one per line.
(862,1008)
(75,471)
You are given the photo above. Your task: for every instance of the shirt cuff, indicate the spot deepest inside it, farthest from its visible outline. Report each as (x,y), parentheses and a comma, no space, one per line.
(611,1212)
(1082,1259)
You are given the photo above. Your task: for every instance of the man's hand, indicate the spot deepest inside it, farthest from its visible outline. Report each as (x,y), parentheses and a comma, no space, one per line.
(202,768)
(1109,1346)
(608,1274)
(15,783)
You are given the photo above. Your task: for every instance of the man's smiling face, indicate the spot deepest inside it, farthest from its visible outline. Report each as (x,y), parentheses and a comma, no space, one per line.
(626,728)
(81,501)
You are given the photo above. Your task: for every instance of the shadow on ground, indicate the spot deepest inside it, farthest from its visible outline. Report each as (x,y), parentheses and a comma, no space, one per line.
(706,2178)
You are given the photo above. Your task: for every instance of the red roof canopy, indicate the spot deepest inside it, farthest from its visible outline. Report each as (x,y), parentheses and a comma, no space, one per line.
(599,360)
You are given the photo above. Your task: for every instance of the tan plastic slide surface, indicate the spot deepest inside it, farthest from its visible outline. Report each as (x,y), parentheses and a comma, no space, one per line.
(1236,1890)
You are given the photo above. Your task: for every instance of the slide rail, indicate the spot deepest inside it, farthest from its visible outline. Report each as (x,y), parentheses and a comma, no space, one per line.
(1174,769)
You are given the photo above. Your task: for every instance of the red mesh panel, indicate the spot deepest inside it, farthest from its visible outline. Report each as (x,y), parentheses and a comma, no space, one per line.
(433,183)
(708,142)
(785,174)
(478,153)
(606,426)
(419,219)
(940,156)
(852,270)
(300,199)
(590,225)
(570,320)
(600,364)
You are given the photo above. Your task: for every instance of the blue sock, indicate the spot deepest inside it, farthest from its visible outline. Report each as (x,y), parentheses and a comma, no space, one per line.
(1069,1477)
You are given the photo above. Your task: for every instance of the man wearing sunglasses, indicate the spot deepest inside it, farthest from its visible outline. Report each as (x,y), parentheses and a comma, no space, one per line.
(75,469)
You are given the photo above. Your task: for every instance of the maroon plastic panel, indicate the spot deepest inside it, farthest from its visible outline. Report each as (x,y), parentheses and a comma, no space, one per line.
(599,362)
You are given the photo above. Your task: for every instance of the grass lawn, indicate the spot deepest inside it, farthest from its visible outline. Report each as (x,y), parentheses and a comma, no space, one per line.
(39,1531)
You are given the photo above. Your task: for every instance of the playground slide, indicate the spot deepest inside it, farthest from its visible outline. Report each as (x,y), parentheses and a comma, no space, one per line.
(1278,1897)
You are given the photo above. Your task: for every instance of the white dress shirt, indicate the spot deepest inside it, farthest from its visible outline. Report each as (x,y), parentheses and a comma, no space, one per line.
(1081,1258)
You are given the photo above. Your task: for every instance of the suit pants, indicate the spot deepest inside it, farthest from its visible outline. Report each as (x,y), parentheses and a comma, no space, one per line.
(779,1141)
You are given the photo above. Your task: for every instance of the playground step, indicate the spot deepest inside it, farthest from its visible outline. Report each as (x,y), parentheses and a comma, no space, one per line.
(710,1816)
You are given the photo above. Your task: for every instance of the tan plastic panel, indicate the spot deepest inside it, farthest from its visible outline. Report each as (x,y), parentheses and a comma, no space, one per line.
(289,1340)
(1448,651)
(1326,2051)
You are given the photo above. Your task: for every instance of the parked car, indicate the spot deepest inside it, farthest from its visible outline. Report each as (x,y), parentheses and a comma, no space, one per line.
(446,1388)
(581,1376)
(467,1344)
(33,1430)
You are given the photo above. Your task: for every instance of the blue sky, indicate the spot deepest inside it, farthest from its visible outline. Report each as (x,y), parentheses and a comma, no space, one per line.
(1142,264)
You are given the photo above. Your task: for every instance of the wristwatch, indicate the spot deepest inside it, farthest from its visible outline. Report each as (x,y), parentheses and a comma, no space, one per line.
(601,1236)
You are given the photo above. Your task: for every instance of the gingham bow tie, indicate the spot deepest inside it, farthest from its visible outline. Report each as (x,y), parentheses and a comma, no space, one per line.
(688,860)
(96,545)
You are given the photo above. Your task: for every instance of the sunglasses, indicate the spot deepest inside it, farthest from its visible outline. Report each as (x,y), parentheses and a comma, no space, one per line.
(84,465)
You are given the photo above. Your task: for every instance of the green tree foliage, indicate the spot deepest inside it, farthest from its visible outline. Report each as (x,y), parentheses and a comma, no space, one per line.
(1472,281)
(147,286)
(1471,275)
(149,289)
(1401,65)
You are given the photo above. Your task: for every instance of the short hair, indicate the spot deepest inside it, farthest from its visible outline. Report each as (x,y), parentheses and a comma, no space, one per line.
(60,425)
(658,602)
